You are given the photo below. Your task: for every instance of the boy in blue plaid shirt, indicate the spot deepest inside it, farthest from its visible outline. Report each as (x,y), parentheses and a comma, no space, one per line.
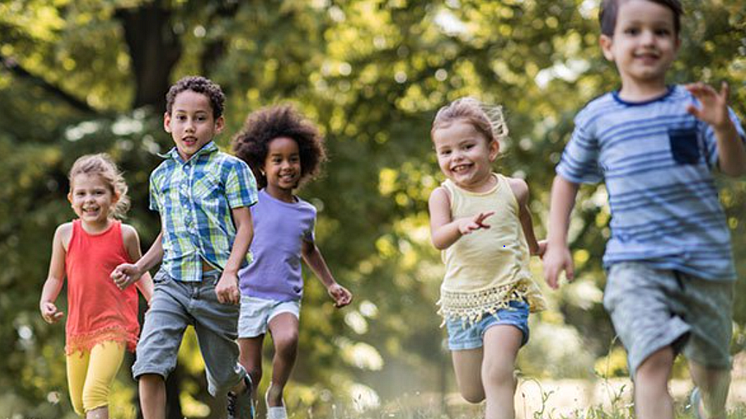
(203,197)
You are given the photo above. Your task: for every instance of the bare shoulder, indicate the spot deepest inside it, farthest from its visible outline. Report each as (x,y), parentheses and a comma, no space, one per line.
(519,188)
(129,234)
(440,193)
(63,234)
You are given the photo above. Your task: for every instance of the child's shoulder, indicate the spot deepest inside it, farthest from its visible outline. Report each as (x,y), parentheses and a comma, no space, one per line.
(64,233)
(519,187)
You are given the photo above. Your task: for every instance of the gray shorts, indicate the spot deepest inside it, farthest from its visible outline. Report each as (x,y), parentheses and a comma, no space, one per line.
(176,305)
(654,308)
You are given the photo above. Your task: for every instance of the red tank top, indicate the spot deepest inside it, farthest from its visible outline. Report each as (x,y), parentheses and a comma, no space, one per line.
(98,311)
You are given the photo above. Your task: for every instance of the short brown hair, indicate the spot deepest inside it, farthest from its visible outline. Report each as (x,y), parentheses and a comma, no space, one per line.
(197,84)
(607,16)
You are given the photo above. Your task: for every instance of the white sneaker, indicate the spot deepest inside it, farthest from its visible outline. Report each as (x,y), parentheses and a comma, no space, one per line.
(275,412)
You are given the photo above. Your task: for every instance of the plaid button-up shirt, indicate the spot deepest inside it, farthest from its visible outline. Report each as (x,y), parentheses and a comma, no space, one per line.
(194,199)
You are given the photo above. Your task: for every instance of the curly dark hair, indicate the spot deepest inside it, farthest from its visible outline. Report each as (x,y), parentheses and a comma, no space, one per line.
(251,144)
(197,84)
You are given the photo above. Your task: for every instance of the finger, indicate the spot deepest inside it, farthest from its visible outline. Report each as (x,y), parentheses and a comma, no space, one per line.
(724,90)
(570,270)
(693,110)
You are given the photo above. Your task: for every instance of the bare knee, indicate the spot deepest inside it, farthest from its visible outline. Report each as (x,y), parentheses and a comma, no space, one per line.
(655,371)
(472,395)
(498,373)
(286,343)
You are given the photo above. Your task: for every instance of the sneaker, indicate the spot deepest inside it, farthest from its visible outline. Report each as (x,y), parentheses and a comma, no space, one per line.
(275,412)
(695,403)
(240,406)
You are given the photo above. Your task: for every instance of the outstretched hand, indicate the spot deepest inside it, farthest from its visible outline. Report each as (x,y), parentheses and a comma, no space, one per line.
(468,225)
(713,105)
(340,295)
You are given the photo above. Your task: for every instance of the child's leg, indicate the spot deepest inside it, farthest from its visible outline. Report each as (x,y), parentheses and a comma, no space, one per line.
(467,364)
(251,359)
(501,345)
(152,389)
(714,385)
(77,368)
(652,399)
(103,365)
(284,329)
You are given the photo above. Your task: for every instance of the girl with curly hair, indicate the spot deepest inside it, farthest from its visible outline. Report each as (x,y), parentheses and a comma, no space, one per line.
(283,149)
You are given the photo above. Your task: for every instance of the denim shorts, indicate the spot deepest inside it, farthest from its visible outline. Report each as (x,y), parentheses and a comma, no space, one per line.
(464,336)
(175,306)
(256,313)
(654,308)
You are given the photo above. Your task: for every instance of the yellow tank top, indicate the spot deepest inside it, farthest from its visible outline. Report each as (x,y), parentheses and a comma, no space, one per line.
(489,268)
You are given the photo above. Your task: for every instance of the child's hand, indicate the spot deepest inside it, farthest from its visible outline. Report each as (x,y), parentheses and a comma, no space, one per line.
(125,274)
(49,312)
(467,225)
(714,105)
(557,259)
(541,248)
(227,289)
(340,295)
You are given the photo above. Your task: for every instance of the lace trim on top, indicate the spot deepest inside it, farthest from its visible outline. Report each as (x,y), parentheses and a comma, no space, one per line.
(86,342)
(470,307)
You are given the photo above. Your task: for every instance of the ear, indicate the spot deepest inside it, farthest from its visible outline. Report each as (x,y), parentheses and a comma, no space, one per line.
(70,197)
(167,122)
(606,43)
(219,124)
(677,44)
(494,149)
(115,198)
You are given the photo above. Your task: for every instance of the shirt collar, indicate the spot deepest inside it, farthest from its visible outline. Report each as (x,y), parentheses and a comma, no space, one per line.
(174,152)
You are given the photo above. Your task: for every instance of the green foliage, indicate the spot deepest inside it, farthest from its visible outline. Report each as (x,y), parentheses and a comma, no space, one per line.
(371,73)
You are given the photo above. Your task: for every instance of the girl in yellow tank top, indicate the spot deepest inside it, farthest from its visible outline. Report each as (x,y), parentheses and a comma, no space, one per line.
(481,223)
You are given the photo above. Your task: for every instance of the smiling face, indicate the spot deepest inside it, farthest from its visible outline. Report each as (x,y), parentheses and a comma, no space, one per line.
(282,167)
(643,46)
(464,155)
(92,199)
(191,123)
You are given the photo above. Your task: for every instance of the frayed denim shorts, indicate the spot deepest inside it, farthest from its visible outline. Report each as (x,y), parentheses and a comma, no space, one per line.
(464,336)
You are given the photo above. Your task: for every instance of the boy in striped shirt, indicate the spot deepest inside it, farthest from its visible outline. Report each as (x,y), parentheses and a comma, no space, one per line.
(669,260)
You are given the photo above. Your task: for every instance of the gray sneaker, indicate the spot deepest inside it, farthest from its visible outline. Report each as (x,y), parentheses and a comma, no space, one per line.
(240,406)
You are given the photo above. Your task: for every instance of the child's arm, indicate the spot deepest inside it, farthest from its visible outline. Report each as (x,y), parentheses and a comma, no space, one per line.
(714,111)
(445,231)
(56,276)
(315,260)
(227,287)
(557,256)
(520,190)
(132,244)
(129,273)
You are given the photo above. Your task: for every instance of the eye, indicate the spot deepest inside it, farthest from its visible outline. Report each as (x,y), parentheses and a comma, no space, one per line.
(662,32)
(631,31)
(180,118)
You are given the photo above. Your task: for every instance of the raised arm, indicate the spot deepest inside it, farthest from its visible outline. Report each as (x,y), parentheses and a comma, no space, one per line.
(315,260)
(56,276)
(557,256)
(714,111)
(520,191)
(443,230)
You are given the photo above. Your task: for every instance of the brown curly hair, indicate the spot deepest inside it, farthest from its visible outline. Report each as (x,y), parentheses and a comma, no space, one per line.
(197,84)
(251,144)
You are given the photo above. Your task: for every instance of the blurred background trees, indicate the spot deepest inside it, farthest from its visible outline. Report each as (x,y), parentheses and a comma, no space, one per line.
(88,76)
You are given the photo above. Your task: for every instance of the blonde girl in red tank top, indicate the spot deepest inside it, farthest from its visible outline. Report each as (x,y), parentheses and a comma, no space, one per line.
(102,319)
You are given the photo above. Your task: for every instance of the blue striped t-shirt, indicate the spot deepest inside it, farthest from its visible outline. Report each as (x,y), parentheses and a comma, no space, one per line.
(656,160)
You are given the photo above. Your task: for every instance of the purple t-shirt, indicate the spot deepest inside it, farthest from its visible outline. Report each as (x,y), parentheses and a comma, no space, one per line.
(279,231)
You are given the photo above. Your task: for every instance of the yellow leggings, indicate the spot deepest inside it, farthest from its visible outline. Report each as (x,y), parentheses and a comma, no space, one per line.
(91,374)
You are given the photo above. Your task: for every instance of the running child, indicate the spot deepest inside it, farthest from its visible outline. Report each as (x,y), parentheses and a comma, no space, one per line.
(669,261)
(102,318)
(284,150)
(481,222)
(203,197)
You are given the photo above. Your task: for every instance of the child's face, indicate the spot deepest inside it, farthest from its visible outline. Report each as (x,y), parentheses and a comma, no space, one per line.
(91,198)
(644,44)
(191,123)
(282,166)
(464,154)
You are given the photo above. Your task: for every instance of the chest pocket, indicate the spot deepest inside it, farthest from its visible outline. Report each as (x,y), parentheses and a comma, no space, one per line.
(205,188)
(684,145)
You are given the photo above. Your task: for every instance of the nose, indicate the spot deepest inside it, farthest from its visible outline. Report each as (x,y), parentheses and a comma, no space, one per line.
(647,37)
